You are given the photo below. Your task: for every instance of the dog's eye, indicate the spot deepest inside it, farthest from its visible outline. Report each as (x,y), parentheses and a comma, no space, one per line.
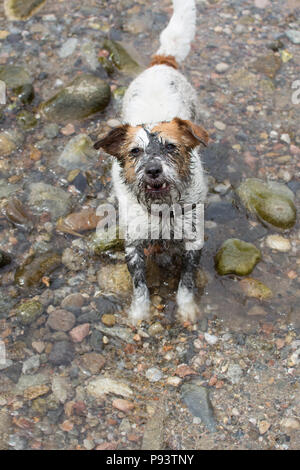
(170,147)
(135,151)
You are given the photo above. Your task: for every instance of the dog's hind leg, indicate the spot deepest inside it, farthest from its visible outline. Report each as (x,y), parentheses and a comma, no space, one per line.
(187,308)
(140,305)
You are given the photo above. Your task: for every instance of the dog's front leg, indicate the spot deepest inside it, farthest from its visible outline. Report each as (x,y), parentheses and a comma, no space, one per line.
(188,310)
(140,305)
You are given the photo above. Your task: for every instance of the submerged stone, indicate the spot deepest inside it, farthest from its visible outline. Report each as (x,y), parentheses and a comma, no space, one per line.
(120,57)
(7,145)
(17,214)
(35,267)
(6,188)
(198,402)
(17,10)
(27,312)
(14,76)
(44,197)
(114,278)
(25,93)
(268,64)
(99,244)
(85,95)
(78,153)
(254,288)
(26,120)
(5,259)
(272,202)
(237,257)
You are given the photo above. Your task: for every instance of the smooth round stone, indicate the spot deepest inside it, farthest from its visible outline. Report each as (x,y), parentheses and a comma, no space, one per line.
(52,199)
(278,243)
(27,312)
(155,329)
(120,57)
(115,278)
(61,353)
(237,257)
(108,319)
(254,288)
(7,145)
(154,375)
(272,202)
(61,320)
(73,302)
(78,153)
(35,267)
(222,67)
(14,76)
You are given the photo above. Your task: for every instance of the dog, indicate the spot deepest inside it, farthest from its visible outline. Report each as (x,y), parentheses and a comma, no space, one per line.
(157,160)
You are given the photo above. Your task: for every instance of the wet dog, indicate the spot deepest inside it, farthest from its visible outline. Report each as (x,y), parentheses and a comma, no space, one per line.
(157,162)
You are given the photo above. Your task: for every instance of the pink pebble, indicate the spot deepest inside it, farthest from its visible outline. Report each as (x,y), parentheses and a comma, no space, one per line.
(80,332)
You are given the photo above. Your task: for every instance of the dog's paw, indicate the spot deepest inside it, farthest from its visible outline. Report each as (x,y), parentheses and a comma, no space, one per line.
(139,310)
(187,309)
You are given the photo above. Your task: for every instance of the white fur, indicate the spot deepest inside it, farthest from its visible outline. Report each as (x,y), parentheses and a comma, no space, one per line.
(140,306)
(188,310)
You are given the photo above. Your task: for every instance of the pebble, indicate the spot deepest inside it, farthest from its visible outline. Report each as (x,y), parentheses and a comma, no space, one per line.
(102,385)
(222,67)
(263,427)
(61,353)
(153,374)
(290,424)
(68,48)
(45,197)
(254,288)
(78,153)
(108,319)
(285,138)
(31,364)
(27,312)
(211,339)
(174,381)
(197,399)
(155,329)
(60,388)
(93,362)
(123,405)
(73,302)
(234,373)
(293,35)
(221,126)
(278,243)
(61,320)
(79,332)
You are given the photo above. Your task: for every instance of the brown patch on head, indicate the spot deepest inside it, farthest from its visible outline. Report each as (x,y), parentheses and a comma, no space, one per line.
(164,60)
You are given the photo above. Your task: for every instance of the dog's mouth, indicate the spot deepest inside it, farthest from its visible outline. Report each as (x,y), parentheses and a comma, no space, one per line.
(156,188)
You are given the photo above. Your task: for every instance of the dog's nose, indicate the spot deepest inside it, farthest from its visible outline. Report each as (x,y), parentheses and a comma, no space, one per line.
(153,170)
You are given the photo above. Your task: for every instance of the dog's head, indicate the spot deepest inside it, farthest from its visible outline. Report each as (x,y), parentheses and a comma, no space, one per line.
(156,162)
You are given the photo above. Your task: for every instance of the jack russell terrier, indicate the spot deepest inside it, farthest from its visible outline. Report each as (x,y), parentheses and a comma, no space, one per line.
(157,161)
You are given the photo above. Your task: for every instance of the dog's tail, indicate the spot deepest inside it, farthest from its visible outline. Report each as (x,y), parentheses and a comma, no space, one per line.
(176,38)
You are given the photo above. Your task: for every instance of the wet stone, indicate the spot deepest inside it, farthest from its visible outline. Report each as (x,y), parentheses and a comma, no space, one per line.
(293,35)
(102,385)
(61,320)
(254,288)
(62,353)
(35,267)
(25,93)
(114,278)
(272,202)
(26,120)
(268,64)
(93,362)
(78,153)
(16,10)
(14,76)
(85,95)
(45,197)
(120,58)
(18,214)
(237,257)
(7,144)
(96,341)
(196,398)
(73,303)
(5,259)
(27,312)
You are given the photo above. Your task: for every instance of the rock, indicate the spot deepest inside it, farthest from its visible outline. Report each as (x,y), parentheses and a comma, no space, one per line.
(93,362)
(61,320)
(80,332)
(35,267)
(78,153)
(257,310)
(89,54)
(124,334)
(5,259)
(153,438)
(272,202)
(21,10)
(211,339)
(107,304)
(254,288)
(6,188)
(268,64)
(290,424)
(73,302)
(73,260)
(156,329)
(14,76)
(84,96)
(114,278)
(263,427)
(222,67)
(293,35)
(108,319)
(25,93)
(99,244)
(198,402)
(7,145)
(153,374)
(18,214)
(51,130)
(44,197)
(60,388)
(278,243)
(35,391)
(120,58)
(237,257)
(31,364)
(243,80)
(102,385)
(62,353)
(27,312)
(26,120)
(78,221)
(123,405)
(285,138)
(221,126)
(234,373)
(68,48)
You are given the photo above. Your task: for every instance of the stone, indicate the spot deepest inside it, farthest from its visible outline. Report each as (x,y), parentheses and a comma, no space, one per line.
(290,424)
(35,267)
(156,329)
(7,145)
(153,374)
(76,222)
(5,259)
(73,260)
(73,302)
(84,96)
(93,362)
(26,120)
(120,58)
(14,76)
(115,278)
(45,197)
(196,397)
(278,243)
(68,48)
(123,405)
(234,373)
(31,364)
(99,244)
(18,214)
(108,319)
(254,288)
(268,64)
(60,388)
(61,320)
(27,312)
(222,67)
(62,353)
(221,126)
(153,438)
(35,391)
(78,333)
(21,10)
(237,257)
(6,188)
(78,153)
(103,385)
(272,202)
(211,339)
(293,35)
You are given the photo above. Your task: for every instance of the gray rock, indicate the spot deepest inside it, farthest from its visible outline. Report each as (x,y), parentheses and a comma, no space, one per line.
(14,76)
(68,48)
(102,385)
(61,353)
(6,188)
(234,373)
(293,35)
(153,374)
(31,364)
(196,398)
(44,197)
(153,438)
(78,153)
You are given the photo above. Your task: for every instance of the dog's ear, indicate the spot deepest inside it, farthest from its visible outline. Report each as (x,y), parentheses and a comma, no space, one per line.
(112,143)
(193,132)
